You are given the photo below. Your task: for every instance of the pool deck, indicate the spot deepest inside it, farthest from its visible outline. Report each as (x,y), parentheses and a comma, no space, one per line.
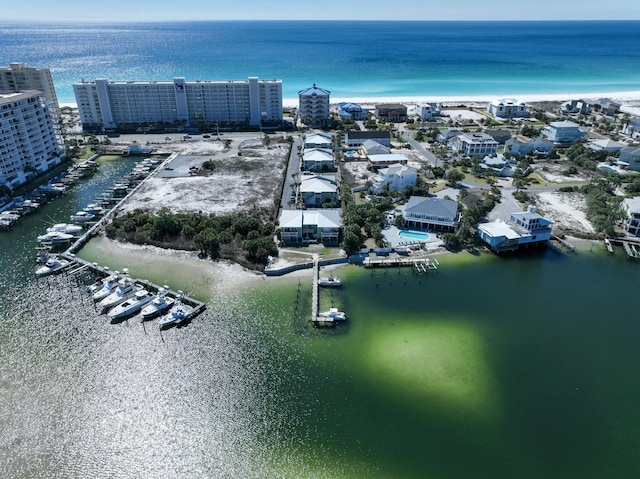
(392,235)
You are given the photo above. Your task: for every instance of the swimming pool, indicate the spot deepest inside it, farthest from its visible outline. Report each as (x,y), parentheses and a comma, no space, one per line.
(416,235)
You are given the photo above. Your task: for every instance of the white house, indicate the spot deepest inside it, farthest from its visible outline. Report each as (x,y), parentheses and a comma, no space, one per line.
(318,140)
(395,177)
(507,108)
(305,226)
(429,213)
(523,229)
(631,222)
(632,128)
(317,190)
(430,110)
(316,159)
(372,147)
(563,132)
(474,144)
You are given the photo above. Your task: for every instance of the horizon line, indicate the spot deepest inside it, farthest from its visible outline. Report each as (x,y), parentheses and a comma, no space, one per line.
(315,20)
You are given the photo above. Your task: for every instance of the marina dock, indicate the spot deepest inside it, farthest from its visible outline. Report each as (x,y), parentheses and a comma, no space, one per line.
(422,265)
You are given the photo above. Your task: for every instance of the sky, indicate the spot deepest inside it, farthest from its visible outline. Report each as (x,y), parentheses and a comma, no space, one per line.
(172,10)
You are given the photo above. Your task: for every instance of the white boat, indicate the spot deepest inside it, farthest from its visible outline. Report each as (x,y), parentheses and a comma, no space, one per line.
(53,265)
(158,305)
(178,314)
(82,217)
(55,188)
(94,209)
(65,228)
(332,314)
(331,282)
(55,237)
(104,287)
(130,306)
(125,289)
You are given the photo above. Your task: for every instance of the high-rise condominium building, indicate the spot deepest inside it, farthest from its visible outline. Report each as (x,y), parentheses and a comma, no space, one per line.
(314,106)
(30,138)
(18,77)
(201,104)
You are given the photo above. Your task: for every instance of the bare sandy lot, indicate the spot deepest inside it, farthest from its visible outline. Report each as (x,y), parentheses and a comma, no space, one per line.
(566,210)
(247,175)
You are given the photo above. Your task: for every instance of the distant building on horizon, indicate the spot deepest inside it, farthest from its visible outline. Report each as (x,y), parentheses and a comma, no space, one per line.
(18,77)
(313,107)
(179,104)
(30,139)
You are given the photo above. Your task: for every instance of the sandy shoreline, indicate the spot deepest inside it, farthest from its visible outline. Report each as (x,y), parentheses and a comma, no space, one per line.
(621,96)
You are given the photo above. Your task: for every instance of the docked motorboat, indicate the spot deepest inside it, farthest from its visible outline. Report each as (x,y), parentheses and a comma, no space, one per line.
(53,265)
(104,287)
(82,217)
(94,209)
(330,282)
(53,188)
(178,314)
(130,306)
(66,228)
(332,314)
(160,304)
(55,237)
(126,288)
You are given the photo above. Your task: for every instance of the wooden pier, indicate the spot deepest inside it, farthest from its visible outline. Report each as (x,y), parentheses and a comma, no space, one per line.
(564,243)
(422,265)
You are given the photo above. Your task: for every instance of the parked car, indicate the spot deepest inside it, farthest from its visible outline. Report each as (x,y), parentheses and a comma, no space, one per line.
(168,138)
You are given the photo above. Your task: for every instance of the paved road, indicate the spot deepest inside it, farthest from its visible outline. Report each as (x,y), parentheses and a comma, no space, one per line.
(293,166)
(430,157)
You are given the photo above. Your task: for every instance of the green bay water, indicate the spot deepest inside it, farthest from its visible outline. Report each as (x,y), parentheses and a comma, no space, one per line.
(494,367)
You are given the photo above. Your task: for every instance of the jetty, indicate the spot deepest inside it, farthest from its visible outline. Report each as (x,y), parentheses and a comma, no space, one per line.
(564,243)
(631,246)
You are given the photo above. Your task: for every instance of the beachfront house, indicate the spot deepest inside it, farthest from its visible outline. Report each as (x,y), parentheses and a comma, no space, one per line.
(577,107)
(523,229)
(432,214)
(351,111)
(356,139)
(318,140)
(306,226)
(429,111)
(317,191)
(563,133)
(313,106)
(474,144)
(630,156)
(608,106)
(391,112)
(317,159)
(521,145)
(631,221)
(507,108)
(395,177)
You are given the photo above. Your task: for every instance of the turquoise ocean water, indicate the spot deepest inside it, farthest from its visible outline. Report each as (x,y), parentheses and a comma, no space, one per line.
(352,59)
